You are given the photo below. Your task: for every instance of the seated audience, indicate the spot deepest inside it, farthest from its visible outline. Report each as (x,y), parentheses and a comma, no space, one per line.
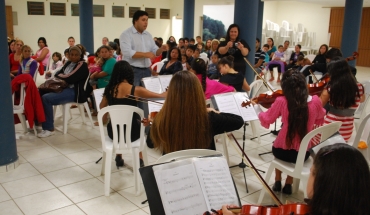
(11,46)
(277,59)
(75,73)
(65,58)
(229,76)
(57,61)
(184,60)
(104,76)
(200,123)
(14,58)
(43,54)
(213,71)
(105,41)
(214,47)
(210,87)
(173,64)
(319,62)
(200,46)
(181,43)
(294,56)
(189,53)
(259,57)
(272,49)
(27,64)
(207,48)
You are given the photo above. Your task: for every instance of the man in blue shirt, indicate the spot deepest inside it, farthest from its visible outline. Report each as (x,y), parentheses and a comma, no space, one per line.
(138,46)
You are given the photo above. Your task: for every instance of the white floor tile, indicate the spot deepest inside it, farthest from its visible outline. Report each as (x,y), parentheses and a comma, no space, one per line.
(84,190)
(42,202)
(121,180)
(86,134)
(112,205)
(4,196)
(86,156)
(93,142)
(137,212)
(146,209)
(72,147)
(30,144)
(70,210)
(9,207)
(27,186)
(21,159)
(67,176)
(131,196)
(22,171)
(95,168)
(52,164)
(39,154)
(59,138)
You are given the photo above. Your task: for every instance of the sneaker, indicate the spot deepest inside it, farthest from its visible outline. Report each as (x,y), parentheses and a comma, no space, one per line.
(38,129)
(46,133)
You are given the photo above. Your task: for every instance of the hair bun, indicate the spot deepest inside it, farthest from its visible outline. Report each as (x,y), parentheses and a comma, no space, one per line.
(230,58)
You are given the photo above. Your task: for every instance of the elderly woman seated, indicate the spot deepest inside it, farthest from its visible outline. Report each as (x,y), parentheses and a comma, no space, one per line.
(75,73)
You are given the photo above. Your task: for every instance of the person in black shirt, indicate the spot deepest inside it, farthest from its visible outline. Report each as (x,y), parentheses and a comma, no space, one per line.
(294,56)
(231,77)
(235,46)
(319,63)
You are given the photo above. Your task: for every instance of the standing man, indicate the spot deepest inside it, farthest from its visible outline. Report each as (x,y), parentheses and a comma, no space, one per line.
(138,46)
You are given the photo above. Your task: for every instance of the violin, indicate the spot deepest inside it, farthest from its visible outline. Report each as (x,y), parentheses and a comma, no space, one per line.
(137,98)
(280,209)
(264,99)
(318,87)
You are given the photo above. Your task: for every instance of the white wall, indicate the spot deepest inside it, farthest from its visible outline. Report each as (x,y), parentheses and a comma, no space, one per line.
(56,29)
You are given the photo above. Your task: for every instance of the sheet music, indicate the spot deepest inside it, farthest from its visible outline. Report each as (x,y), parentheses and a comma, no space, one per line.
(165,81)
(248,113)
(180,190)
(98,95)
(152,84)
(155,107)
(226,103)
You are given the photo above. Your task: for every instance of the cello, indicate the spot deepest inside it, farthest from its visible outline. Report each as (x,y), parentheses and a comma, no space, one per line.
(280,209)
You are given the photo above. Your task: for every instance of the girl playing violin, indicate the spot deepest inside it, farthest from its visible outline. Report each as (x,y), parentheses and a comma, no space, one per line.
(231,77)
(299,113)
(338,182)
(343,95)
(185,122)
(115,93)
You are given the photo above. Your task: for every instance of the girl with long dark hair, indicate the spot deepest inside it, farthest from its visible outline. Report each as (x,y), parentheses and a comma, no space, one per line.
(299,113)
(343,95)
(119,86)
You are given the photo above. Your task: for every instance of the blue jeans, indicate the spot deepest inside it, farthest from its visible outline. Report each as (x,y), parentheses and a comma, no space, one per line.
(139,74)
(51,99)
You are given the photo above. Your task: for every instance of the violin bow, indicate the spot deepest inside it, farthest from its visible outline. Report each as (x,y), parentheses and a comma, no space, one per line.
(264,82)
(137,98)
(314,76)
(254,170)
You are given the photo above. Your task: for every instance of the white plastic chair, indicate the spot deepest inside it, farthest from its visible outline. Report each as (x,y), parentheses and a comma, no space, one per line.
(37,71)
(300,170)
(255,87)
(310,57)
(159,66)
(164,60)
(19,109)
(363,133)
(364,107)
(184,154)
(121,115)
(66,110)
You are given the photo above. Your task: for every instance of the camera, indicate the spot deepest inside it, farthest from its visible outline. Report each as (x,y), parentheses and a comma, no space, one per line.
(236,44)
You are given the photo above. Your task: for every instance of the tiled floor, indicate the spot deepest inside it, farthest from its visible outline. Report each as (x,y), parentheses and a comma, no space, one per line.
(58,174)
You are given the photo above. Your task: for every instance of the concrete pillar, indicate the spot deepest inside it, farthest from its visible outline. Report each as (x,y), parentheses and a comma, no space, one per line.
(246,16)
(351,28)
(261,6)
(188,21)
(8,147)
(87,25)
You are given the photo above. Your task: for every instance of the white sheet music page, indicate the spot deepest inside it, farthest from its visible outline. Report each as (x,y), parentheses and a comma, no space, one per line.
(216,182)
(155,107)
(248,113)
(226,103)
(165,81)
(98,94)
(152,84)
(180,191)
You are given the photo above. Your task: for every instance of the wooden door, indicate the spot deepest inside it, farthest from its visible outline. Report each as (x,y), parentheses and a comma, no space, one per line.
(336,27)
(9,22)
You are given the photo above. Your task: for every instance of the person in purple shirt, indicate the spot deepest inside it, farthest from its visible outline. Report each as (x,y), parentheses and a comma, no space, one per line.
(27,64)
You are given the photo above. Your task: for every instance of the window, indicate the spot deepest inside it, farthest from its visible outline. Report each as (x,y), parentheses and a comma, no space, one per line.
(35,8)
(75,9)
(164,14)
(57,9)
(151,12)
(132,10)
(98,10)
(118,11)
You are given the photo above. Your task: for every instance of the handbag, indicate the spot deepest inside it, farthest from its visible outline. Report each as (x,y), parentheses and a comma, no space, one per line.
(53,85)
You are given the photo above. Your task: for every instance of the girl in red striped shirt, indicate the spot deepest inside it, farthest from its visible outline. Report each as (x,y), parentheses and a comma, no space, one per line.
(343,95)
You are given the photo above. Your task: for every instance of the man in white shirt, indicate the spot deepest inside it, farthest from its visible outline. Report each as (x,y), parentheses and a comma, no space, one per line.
(138,46)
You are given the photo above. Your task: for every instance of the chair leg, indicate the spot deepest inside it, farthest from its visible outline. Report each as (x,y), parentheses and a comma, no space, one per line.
(145,156)
(86,105)
(107,172)
(267,178)
(135,167)
(55,110)
(81,109)
(295,186)
(304,184)
(253,126)
(103,163)
(22,118)
(65,118)
(225,141)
